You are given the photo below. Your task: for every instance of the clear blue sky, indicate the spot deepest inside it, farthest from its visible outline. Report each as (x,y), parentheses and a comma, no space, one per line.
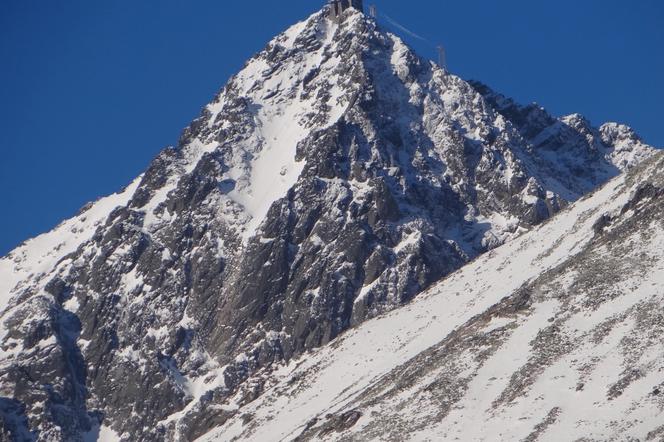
(91,90)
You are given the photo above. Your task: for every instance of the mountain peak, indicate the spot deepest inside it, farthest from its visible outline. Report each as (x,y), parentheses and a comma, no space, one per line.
(333,179)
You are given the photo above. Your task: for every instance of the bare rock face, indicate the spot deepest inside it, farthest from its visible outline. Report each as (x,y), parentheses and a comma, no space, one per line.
(336,177)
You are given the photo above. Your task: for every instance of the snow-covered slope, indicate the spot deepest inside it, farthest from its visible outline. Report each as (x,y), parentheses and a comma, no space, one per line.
(334,178)
(554,336)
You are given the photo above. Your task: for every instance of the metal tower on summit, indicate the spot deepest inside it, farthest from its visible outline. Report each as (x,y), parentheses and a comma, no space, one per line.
(337,8)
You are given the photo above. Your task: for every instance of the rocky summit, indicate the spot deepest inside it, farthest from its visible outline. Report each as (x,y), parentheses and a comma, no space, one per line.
(334,179)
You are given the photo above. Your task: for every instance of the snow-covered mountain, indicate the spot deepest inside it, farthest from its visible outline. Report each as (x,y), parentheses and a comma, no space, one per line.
(555,336)
(332,180)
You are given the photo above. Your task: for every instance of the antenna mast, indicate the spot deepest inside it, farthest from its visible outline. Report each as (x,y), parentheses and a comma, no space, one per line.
(442,57)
